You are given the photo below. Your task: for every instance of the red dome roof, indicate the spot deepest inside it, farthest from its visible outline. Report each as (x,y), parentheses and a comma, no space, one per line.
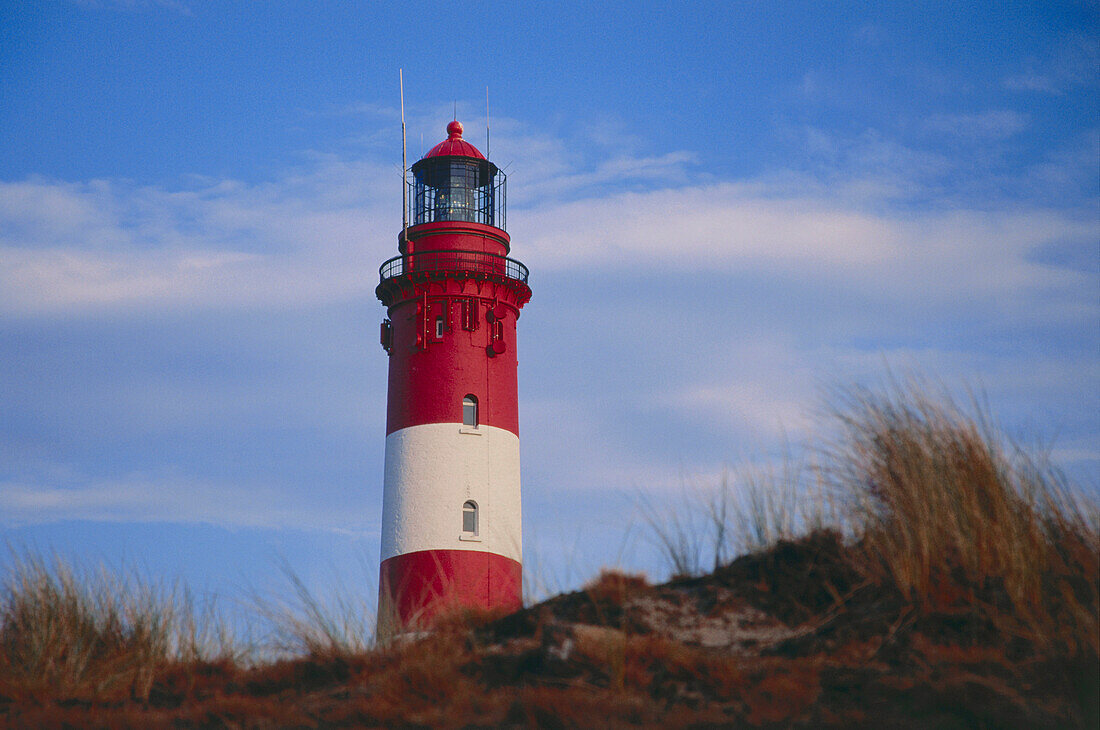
(454,144)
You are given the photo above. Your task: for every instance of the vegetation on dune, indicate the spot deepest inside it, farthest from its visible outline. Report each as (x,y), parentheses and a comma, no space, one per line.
(935,576)
(950,516)
(93,635)
(307,625)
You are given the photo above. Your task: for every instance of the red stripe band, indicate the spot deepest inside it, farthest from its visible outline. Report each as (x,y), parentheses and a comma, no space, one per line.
(440,354)
(417,587)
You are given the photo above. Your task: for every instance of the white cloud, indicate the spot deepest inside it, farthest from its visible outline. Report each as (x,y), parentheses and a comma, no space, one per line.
(317,233)
(1032,81)
(143,499)
(696,228)
(840,259)
(1070,63)
(991,125)
(758,406)
(933,256)
(311,237)
(314,235)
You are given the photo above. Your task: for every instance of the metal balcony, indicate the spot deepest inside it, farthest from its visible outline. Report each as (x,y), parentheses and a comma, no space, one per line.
(462,264)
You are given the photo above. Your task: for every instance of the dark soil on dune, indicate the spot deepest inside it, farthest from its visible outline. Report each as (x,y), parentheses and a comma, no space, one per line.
(791,637)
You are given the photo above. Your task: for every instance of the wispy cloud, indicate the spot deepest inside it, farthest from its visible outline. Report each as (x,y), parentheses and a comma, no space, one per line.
(66,247)
(311,235)
(990,125)
(844,264)
(1071,63)
(871,34)
(136,499)
(934,256)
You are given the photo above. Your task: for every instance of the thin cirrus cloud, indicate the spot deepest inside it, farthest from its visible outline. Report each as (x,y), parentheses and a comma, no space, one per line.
(859,264)
(988,126)
(1070,63)
(69,247)
(219,256)
(134,499)
(932,255)
(308,236)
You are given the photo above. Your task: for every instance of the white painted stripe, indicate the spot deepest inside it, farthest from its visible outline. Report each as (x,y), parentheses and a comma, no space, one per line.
(432,470)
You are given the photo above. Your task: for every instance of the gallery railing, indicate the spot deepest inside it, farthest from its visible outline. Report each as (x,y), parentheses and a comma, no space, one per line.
(456,262)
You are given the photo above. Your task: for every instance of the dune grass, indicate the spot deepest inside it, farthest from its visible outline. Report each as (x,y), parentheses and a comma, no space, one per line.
(306,624)
(935,502)
(749,509)
(951,512)
(935,512)
(72,632)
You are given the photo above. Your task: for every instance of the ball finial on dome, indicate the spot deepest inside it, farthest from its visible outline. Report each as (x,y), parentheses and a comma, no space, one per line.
(454,145)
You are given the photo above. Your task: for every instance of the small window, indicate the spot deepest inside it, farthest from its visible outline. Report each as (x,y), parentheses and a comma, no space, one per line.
(469,411)
(438,327)
(469,518)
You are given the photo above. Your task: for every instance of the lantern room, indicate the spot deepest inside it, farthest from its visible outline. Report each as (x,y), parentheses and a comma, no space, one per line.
(454,182)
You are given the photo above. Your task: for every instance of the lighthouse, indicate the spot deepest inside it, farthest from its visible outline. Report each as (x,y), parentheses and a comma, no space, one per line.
(451,532)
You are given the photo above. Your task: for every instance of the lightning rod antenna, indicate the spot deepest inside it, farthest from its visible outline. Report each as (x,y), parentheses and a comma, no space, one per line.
(404,161)
(487,122)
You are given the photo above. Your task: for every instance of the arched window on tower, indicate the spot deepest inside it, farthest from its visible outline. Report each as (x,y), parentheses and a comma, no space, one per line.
(469,411)
(469,518)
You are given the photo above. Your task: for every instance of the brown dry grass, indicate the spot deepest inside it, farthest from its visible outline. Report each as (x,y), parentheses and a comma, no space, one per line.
(953,515)
(965,593)
(304,624)
(85,635)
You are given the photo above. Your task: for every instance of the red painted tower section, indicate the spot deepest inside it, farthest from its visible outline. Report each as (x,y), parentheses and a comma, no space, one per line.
(451,527)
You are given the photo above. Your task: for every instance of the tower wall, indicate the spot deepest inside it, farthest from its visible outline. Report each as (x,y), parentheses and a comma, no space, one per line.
(424,497)
(430,375)
(429,564)
(452,335)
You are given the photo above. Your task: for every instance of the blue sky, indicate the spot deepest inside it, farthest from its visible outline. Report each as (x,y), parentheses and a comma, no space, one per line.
(727,209)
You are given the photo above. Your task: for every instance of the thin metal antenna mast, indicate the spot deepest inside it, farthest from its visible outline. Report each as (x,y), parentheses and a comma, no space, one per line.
(486,121)
(404,161)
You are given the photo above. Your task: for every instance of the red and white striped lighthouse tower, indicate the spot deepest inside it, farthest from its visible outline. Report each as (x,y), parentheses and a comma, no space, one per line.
(451,504)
